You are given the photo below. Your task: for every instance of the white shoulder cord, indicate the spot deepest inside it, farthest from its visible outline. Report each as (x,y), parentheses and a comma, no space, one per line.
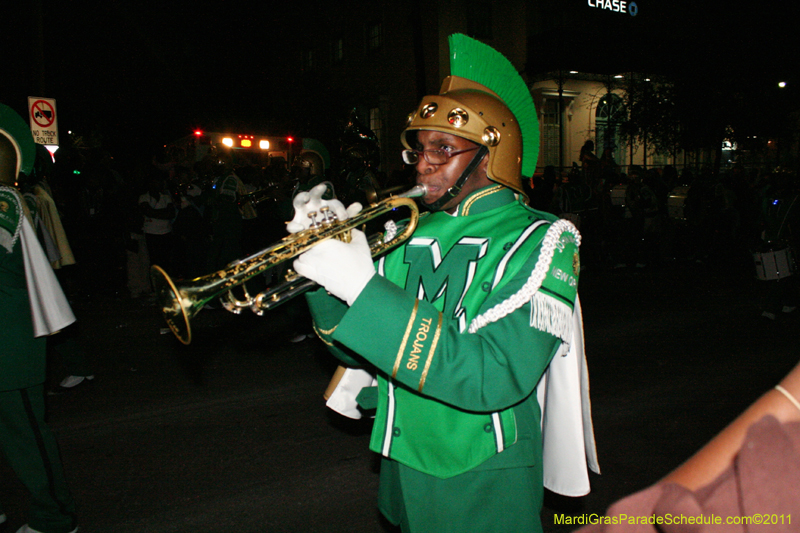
(515,301)
(19,211)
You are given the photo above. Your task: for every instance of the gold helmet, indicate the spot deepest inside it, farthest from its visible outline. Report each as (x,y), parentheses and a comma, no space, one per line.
(485,101)
(472,111)
(312,161)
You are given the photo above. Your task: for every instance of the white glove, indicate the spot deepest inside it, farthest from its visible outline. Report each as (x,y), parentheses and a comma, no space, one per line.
(311,201)
(344,269)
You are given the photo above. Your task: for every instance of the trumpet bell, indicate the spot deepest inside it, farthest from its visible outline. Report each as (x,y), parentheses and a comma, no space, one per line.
(169,298)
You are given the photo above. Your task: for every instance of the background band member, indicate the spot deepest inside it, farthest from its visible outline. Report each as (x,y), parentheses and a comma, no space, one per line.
(25,438)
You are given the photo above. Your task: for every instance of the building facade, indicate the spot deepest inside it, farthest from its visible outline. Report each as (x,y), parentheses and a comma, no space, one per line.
(576,107)
(379,58)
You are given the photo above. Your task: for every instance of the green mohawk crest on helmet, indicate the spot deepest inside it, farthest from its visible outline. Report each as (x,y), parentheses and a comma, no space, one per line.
(483,64)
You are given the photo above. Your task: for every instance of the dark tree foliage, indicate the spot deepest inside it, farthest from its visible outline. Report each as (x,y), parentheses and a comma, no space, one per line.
(653,118)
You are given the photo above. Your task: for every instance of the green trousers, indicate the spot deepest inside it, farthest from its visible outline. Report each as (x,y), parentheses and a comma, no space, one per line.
(32,453)
(487,501)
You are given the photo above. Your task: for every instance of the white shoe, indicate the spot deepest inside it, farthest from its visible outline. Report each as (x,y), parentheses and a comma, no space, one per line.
(299,338)
(767,314)
(3,518)
(72,381)
(789,308)
(28,529)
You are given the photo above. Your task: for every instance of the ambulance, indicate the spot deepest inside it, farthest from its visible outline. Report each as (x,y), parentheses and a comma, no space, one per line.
(248,149)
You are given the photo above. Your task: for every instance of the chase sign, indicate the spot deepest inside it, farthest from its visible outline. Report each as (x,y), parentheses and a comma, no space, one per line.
(616,6)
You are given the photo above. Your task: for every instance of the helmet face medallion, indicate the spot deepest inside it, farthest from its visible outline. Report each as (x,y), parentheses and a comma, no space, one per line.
(471,111)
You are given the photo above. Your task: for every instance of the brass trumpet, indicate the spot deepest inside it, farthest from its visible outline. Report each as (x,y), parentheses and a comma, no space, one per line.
(180,302)
(272,191)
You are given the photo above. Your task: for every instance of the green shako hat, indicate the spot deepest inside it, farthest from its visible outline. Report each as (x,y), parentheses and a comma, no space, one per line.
(19,133)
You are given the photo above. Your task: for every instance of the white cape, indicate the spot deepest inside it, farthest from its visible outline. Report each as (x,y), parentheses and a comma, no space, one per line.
(49,306)
(568,445)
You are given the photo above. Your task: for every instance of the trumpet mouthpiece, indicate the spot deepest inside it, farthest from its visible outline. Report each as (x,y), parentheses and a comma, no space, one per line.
(415,192)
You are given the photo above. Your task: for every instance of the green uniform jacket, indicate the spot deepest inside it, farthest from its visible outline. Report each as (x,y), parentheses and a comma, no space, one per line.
(22,357)
(448,401)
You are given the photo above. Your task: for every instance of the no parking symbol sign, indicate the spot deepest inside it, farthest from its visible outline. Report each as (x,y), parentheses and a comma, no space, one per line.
(44,121)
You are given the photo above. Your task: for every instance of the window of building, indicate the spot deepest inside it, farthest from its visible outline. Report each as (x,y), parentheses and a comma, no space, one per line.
(376,122)
(374,36)
(308,59)
(337,50)
(657,160)
(376,125)
(550,128)
(609,115)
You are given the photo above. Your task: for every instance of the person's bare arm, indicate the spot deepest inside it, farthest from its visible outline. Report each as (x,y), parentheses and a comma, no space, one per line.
(713,458)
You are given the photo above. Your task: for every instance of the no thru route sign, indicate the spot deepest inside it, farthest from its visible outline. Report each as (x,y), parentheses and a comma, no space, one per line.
(44,121)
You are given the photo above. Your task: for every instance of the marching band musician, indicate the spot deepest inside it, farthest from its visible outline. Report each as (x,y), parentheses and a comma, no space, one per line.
(460,323)
(360,159)
(226,219)
(780,240)
(32,306)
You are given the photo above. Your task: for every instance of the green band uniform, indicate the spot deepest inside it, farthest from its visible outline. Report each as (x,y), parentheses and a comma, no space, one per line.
(25,439)
(456,413)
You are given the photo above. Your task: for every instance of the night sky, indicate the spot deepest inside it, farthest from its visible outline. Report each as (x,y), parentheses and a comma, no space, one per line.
(148,72)
(138,70)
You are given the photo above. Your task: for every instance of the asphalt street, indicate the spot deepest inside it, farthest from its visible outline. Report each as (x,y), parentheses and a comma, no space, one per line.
(230,434)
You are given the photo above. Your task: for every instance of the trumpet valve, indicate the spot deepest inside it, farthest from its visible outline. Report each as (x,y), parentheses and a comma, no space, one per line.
(231,307)
(257,305)
(328,216)
(314,222)
(345,236)
(229,303)
(290,275)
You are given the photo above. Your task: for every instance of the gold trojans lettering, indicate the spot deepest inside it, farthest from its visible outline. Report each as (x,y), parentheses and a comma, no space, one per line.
(416,348)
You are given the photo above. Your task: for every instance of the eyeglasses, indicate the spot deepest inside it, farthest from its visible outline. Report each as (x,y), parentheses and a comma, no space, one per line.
(433,157)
